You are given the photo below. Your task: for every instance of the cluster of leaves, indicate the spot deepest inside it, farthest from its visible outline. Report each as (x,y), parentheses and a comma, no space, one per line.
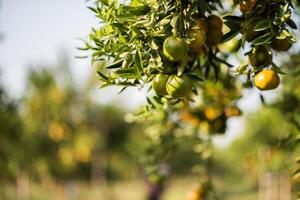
(128,46)
(130,41)
(56,133)
(262,23)
(10,130)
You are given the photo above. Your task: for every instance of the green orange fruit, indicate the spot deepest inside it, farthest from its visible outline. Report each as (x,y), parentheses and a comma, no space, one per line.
(201,24)
(214,22)
(198,39)
(214,36)
(178,86)
(175,49)
(159,84)
(281,45)
(260,56)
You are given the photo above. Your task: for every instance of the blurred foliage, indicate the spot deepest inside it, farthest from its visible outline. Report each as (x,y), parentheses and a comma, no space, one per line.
(58,131)
(11,128)
(270,142)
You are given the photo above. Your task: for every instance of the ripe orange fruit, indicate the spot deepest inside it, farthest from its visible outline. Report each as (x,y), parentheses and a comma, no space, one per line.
(188,117)
(247,5)
(260,56)
(232,111)
(159,84)
(281,45)
(266,80)
(175,49)
(212,113)
(196,194)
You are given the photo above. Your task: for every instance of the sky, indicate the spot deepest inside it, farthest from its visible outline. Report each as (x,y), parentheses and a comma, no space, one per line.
(36,32)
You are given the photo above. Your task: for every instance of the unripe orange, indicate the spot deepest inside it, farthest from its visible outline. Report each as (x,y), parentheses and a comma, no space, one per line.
(281,45)
(260,56)
(175,49)
(214,22)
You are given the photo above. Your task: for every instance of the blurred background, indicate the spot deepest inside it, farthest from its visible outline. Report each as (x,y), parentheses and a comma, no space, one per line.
(63,138)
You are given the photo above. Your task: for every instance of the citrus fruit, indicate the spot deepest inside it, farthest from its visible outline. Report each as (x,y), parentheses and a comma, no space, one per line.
(266,80)
(260,56)
(159,84)
(281,45)
(175,49)
(179,86)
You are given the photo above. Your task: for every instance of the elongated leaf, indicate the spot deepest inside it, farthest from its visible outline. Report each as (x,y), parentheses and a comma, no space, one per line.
(195,77)
(264,39)
(129,70)
(228,36)
(122,90)
(93,9)
(233,26)
(296,175)
(277,69)
(126,83)
(138,61)
(292,24)
(262,99)
(141,10)
(153,102)
(203,5)
(102,75)
(233,18)
(116,64)
(263,25)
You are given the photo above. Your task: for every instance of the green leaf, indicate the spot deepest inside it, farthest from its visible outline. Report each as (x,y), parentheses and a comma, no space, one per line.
(115,64)
(174,21)
(292,24)
(119,26)
(129,73)
(126,83)
(264,39)
(137,11)
(228,36)
(154,103)
(122,90)
(203,5)
(233,18)
(129,70)
(138,61)
(195,77)
(263,25)
(93,9)
(233,26)
(277,69)
(102,75)
(296,175)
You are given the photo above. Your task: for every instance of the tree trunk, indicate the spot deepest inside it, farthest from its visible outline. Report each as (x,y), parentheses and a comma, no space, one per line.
(154,191)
